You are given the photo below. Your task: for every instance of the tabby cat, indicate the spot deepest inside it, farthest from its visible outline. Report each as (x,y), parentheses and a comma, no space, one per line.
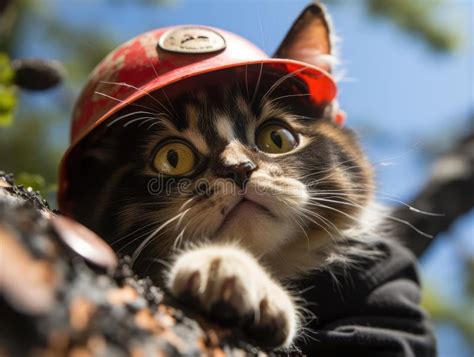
(229,192)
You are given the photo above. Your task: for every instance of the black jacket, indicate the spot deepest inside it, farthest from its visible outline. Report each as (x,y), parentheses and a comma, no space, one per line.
(373,310)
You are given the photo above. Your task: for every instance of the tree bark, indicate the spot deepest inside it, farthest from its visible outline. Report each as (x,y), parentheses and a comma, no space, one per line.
(56,302)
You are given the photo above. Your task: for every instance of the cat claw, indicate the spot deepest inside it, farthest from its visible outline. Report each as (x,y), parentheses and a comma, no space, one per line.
(232,288)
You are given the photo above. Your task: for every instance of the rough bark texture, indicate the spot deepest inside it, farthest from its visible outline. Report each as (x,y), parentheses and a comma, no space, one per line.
(55,303)
(449,191)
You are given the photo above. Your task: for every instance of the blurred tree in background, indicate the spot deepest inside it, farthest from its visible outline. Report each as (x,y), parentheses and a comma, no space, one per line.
(23,128)
(417,18)
(23,148)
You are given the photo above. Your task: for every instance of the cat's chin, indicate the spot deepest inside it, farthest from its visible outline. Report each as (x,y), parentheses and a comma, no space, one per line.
(240,218)
(254,226)
(246,209)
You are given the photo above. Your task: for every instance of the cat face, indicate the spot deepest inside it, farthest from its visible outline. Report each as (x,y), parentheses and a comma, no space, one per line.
(241,156)
(230,169)
(248,162)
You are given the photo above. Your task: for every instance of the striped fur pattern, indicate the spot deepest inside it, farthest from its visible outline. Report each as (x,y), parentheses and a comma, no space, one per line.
(310,200)
(313,194)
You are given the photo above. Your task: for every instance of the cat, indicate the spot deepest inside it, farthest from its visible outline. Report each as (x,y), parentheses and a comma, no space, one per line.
(234,189)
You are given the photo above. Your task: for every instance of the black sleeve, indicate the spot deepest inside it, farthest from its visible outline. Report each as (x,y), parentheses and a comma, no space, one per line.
(370,310)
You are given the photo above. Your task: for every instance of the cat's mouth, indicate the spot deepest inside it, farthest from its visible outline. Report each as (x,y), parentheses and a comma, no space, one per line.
(244,208)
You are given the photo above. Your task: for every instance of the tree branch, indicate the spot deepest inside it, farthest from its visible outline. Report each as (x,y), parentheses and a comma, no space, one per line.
(55,301)
(449,192)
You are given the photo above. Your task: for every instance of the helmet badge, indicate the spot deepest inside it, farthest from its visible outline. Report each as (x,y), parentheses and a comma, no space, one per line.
(191,40)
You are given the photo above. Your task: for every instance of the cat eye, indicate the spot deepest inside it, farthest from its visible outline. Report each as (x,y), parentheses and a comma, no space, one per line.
(275,139)
(175,159)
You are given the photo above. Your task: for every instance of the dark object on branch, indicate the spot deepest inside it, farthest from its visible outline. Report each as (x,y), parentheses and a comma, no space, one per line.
(3,5)
(55,303)
(449,191)
(37,74)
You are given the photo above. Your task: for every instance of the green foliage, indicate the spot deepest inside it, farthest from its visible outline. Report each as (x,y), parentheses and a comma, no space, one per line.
(8,93)
(23,147)
(6,71)
(36,182)
(443,310)
(7,105)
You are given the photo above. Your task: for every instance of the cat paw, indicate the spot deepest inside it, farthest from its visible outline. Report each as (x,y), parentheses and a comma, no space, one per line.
(231,287)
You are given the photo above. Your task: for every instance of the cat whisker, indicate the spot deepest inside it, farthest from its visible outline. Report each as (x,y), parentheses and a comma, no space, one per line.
(303,117)
(140,248)
(179,239)
(378,196)
(331,168)
(178,223)
(139,119)
(380,163)
(122,101)
(334,172)
(128,115)
(147,121)
(151,125)
(163,262)
(186,203)
(298,223)
(289,96)
(348,190)
(318,204)
(280,81)
(169,102)
(257,85)
(130,234)
(353,204)
(308,214)
(247,80)
(147,232)
(328,223)
(141,91)
(135,239)
(153,67)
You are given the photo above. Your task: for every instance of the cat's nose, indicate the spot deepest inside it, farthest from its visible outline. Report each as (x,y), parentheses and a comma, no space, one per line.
(240,173)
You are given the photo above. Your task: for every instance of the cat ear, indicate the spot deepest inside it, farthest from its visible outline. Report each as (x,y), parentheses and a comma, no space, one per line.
(309,39)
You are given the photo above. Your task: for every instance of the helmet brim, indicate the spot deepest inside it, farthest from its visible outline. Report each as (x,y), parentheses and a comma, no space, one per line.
(320,85)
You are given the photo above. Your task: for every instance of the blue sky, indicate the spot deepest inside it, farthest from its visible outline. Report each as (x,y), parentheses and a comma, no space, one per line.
(401,97)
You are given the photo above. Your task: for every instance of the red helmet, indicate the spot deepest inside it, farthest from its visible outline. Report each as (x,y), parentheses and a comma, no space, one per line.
(166,56)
